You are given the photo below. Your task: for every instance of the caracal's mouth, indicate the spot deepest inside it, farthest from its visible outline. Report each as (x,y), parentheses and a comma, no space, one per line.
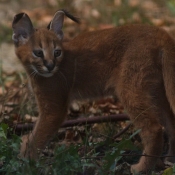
(44,73)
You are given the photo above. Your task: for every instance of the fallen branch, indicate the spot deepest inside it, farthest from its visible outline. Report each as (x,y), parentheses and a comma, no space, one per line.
(92,120)
(77,122)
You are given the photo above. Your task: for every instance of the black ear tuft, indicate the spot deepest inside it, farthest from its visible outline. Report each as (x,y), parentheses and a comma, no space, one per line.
(72,17)
(17,18)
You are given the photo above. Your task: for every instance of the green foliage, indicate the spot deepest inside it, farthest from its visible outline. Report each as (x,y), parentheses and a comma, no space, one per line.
(169,171)
(171,6)
(66,160)
(113,156)
(9,149)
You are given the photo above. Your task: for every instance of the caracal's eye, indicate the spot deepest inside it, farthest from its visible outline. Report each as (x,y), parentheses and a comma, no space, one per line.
(57,53)
(38,53)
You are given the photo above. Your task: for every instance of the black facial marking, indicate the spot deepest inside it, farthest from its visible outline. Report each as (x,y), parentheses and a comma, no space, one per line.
(38,53)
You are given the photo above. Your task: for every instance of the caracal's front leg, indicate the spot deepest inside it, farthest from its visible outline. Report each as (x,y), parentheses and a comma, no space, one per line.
(45,128)
(51,116)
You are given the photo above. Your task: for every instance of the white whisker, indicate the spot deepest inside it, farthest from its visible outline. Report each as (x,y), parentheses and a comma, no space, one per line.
(64,79)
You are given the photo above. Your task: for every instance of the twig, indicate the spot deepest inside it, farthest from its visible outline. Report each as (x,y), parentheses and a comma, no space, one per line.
(147,155)
(126,155)
(122,131)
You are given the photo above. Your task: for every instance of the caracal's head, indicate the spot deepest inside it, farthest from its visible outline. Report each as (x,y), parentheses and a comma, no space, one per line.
(40,50)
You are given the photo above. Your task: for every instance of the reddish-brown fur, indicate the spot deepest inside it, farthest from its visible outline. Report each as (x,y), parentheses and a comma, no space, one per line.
(136,63)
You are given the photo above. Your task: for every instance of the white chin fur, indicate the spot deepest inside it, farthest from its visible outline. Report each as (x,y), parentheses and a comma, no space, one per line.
(46,75)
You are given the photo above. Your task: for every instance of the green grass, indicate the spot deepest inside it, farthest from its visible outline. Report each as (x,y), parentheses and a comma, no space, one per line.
(5,33)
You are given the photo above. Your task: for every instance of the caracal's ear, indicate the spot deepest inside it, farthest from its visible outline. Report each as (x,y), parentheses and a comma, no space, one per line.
(57,23)
(22,28)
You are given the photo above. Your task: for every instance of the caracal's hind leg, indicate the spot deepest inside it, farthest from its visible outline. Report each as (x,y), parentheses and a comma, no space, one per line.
(144,116)
(151,135)
(170,129)
(167,119)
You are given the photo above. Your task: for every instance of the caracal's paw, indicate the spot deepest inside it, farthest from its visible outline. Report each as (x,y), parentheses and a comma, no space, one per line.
(140,169)
(26,149)
(169,161)
(143,168)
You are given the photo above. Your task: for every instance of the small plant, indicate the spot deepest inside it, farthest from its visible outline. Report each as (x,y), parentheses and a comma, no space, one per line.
(9,149)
